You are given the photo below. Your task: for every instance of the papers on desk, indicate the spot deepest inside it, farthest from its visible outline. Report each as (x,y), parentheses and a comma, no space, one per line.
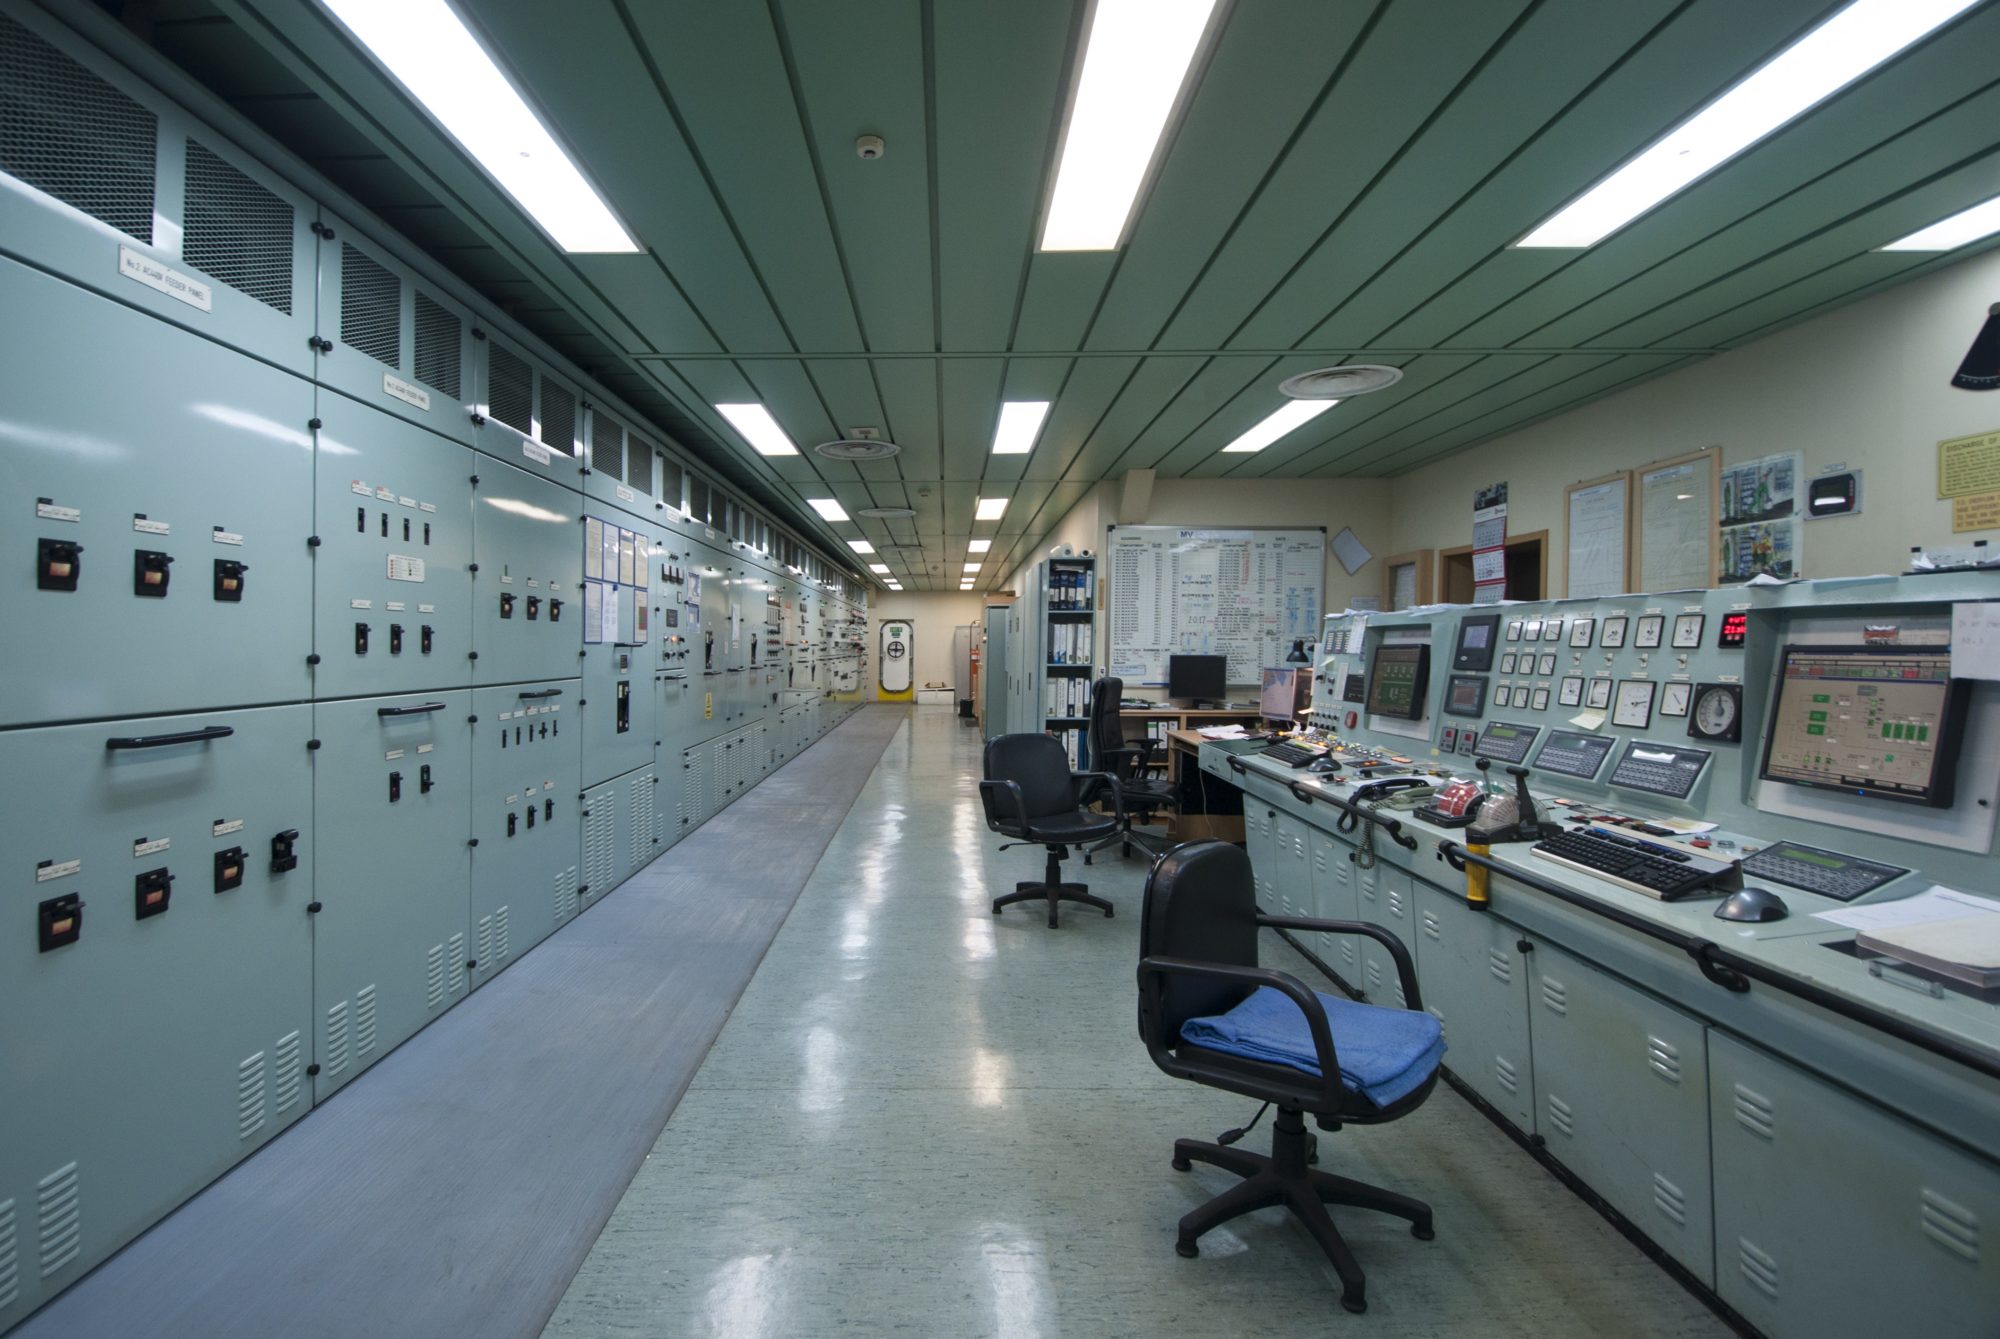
(1940,930)
(1223,732)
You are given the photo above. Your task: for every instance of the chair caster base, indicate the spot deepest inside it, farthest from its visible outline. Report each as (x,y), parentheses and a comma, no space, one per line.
(1182,1165)
(1423,1231)
(1354,1302)
(1187,1250)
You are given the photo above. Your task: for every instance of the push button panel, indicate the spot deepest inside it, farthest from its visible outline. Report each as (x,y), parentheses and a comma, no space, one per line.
(58,564)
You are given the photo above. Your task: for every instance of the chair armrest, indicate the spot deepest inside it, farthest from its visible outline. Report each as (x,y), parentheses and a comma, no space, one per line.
(1152,979)
(1104,759)
(990,793)
(1087,784)
(1406,970)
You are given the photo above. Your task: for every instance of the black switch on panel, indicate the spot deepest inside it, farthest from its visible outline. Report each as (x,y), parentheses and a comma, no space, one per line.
(545,729)
(506,604)
(549,810)
(229,868)
(360,639)
(385,525)
(229,580)
(517,734)
(406,529)
(361,520)
(624,706)
(555,610)
(149,572)
(534,607)
(284,851)
(151,892)
(60,921)
(57,564)
(424,782)
(395,639)
(427,532)
(503,739)
(395,786)
(424,639)
(512,820)
(531,814)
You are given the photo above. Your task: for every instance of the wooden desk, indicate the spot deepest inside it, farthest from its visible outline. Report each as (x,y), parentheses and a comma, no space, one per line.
(1184,748)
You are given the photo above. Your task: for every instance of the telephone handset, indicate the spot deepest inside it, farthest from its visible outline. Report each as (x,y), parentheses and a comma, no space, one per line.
(1377,790)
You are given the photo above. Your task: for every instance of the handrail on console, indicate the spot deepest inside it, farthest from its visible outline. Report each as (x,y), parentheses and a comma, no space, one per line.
(1353,812)
(1732,971)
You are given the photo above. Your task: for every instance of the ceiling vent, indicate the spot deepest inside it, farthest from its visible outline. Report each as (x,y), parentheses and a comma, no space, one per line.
(1337,383)
(853,448)
(886,513)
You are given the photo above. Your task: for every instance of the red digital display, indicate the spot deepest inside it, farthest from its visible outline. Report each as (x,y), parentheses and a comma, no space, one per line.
(1734,628)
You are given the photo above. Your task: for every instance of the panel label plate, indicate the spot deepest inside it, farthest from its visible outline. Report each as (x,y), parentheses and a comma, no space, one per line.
(404,391)
(143,848)
(151,273)
(224,826)
(402,567)
(49,511)
(536,452)
(56,869)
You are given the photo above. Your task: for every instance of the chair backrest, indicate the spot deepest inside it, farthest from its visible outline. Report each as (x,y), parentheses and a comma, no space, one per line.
(1039,765)
(1201,903)
(1107,731)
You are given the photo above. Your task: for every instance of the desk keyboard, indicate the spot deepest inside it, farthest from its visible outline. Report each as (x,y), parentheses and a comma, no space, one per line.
(1644,867)
(1291,755)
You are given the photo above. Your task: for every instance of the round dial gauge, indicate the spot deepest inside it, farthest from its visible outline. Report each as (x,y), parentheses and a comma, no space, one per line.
(1674,699)
(1718,712)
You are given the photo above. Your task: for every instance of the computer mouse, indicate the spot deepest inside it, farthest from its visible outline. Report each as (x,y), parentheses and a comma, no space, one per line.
(1753,904)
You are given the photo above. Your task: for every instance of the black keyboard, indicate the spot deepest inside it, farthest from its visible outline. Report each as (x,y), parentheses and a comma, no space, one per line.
(1644,867)
(1291,755)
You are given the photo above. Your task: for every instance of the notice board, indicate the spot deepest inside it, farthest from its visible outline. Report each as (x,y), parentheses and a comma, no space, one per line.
(1246,594)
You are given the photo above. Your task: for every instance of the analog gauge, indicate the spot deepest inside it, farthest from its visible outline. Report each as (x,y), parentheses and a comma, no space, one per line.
(1718,712)
(1531,630)
(1635,704)
(1503,695)
(1541,701)
(1688,629)
(1506,662)
(1514,630)
(1581,630)
(1614,633)
(1571,692)
(1674,699)
(1552,631)
(1599,696)
(1547,664)
(1648,633)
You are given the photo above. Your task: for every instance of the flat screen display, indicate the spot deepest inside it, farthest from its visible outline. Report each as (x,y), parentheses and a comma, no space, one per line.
(1476,635)
(1505,741)
(1465,695)
(1283,694)
(1197,677)
(1876,721)
(1397,679)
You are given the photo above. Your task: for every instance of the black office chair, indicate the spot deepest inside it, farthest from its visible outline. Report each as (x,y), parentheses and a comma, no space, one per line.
(1030,793)
(1129,761)
(1198,971)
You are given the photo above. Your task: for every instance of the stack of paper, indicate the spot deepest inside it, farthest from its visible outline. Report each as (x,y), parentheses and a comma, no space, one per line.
(1940,930)
(1223,732)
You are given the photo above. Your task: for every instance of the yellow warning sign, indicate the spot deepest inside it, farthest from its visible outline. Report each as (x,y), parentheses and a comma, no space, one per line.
(1981,511)
(708,706)
(1968,465)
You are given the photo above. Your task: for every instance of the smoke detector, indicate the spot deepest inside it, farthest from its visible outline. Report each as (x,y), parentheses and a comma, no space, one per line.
(1338,383)
(886,513)
(857,448)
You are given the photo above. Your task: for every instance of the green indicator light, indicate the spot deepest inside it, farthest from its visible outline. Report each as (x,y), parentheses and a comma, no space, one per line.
(1923,733)
(1815,729)
(1815,715)
(1886,728)
(1822,697)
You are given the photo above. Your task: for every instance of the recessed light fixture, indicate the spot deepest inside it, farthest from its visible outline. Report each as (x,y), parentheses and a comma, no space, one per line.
(860,546)
(1806,73)
(828,508)
(892,585)
(1020,421)
(879,567)
(978,546)
(1968,225)
(1134,61)
(429,50)
(1288,417)
(759,429)
(965,585)
(990,509)
(974,567)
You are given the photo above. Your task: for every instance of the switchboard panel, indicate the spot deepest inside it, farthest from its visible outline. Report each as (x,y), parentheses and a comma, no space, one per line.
(157,532)
(619,695)
(626,469)
(392,572)
(528,610)
(155,973)
(528,416)
(392,779)
(526,770)
(1474,973)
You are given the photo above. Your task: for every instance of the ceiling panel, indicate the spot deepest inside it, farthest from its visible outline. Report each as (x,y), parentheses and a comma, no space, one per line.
(1344,182)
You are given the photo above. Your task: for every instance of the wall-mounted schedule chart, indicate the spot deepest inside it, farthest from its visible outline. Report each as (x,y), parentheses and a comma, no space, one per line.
(1245,594)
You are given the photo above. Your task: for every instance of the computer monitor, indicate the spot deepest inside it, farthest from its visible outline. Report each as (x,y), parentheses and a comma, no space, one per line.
(1879,721)
(1201,678)
(1476,635)
(1397,678)
(1284,695)
(1465,695)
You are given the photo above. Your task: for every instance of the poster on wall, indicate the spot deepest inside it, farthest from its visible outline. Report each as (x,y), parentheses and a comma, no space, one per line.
(1758,530)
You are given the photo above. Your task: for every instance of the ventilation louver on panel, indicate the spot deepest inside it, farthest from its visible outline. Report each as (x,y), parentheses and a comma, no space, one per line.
(371,300)
(67,132)
(440,338)
(510,390)
(607,443)
(58,1219)
(235,231)
(639,466)
(558,418)
(10,1264)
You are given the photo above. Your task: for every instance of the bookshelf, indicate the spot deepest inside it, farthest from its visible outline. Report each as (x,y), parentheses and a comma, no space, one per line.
(1066,623)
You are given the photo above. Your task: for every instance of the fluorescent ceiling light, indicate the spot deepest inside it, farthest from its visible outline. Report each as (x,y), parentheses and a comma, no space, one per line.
(860,546)
(1965,226)
(990,509)
(979,546)
(1134,60)
(965,585)
(974,567)
(892,585)
(879,567)
(1806,73)
(432,54)
(1020,420)
(759,429)
(828,509)
(1291,415)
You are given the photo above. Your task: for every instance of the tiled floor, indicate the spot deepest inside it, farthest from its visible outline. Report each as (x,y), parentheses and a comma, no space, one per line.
(922,1119)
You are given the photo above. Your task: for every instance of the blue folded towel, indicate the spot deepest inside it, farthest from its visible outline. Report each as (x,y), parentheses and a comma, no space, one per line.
(1384,1053)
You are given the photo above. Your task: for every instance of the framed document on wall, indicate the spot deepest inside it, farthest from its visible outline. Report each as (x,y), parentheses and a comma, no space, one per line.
(1597,540)
(1674,511)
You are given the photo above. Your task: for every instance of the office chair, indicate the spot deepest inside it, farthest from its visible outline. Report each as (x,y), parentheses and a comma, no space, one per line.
(1209,1013)
(1126,760)
(1030,793)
